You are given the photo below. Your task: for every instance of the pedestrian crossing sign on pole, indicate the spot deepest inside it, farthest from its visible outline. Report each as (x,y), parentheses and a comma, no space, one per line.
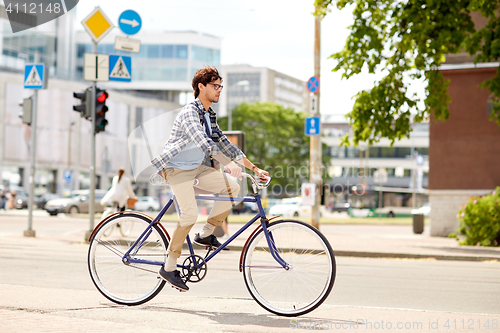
(34,76)
(120,68)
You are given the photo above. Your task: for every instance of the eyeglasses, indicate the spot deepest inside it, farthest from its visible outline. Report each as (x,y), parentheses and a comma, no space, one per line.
(216,86)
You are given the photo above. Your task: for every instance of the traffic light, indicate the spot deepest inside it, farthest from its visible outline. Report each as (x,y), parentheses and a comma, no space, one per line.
(84,107)
(100,110)
(27,105)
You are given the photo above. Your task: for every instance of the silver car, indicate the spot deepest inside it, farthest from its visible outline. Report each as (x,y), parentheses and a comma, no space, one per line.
(76,202)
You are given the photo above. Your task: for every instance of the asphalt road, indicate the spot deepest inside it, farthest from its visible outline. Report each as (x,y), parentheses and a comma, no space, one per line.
(45,287)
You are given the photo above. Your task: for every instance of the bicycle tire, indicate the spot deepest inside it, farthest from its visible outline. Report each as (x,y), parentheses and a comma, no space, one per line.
(127,284)
(303,287)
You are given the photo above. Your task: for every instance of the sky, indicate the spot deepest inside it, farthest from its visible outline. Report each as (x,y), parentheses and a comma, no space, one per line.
(277,34)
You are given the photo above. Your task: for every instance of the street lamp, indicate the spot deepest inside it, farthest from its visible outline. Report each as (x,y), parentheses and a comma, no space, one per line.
(246,87)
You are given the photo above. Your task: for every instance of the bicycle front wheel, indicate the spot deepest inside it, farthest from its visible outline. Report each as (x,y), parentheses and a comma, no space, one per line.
(122,282)
(309,278)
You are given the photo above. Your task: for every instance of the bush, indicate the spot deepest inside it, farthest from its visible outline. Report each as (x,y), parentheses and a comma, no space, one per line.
(480,220)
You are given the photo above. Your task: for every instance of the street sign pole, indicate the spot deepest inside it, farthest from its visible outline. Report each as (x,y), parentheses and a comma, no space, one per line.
(92,155)
(97,25)
(315,158)
(30,232)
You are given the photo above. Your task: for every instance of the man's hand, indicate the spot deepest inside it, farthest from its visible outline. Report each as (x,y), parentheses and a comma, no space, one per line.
(233,170)
(262,174)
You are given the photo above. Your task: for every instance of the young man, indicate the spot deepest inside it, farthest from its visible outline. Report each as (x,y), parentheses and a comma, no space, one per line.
(195,146)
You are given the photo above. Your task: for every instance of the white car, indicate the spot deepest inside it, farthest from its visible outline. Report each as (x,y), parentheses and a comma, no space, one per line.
(291,207)
(147,203)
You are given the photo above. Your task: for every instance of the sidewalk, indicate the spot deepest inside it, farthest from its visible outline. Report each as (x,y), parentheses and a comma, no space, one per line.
(354,240)
(391,241)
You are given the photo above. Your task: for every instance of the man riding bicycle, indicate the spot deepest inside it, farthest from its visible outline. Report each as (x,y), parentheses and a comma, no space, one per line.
(194,149)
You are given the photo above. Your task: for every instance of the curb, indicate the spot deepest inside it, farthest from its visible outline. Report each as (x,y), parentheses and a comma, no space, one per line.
(360,254)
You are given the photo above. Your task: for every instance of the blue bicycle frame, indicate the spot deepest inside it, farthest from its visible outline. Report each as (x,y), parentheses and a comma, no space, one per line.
(260,214)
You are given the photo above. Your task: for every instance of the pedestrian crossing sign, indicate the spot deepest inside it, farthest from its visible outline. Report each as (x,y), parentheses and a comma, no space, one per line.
(34,76)
(120,68)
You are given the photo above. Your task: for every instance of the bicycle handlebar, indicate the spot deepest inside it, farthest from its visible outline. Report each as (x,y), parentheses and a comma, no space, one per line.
(255,181)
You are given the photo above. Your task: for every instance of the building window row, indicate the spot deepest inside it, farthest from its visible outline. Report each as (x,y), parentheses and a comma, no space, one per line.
(376,152)
(205,55)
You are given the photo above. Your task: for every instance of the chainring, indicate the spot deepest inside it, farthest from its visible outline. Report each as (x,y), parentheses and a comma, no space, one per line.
(194,269)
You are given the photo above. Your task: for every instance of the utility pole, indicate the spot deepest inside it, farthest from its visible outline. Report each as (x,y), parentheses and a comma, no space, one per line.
(315,159)
(30,232)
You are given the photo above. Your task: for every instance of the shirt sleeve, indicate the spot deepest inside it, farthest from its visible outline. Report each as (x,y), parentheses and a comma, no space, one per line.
(191,125)
(229,149)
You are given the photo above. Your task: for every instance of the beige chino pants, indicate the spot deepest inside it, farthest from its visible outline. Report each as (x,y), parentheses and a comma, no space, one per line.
(182,182)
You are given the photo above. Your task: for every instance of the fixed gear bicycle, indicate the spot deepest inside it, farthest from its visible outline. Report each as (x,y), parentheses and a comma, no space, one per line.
(288,266)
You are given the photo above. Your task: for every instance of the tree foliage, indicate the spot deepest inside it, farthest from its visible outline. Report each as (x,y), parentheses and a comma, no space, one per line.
(410,39)
(275,141)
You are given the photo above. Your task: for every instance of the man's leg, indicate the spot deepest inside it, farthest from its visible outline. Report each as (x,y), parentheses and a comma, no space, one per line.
(181,182)
(216,182)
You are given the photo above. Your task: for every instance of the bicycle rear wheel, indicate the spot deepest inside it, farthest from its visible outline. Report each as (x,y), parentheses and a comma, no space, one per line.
(308,281)
(127,283)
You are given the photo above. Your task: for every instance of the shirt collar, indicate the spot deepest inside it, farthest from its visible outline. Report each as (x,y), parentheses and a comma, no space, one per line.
(202,108)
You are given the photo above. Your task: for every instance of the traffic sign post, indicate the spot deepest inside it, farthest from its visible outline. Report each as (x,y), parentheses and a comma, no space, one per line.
(313,126)
(97,24)
(96,67)
(120,68)
(127,44)
(130,22)
(35,77)
(313,84)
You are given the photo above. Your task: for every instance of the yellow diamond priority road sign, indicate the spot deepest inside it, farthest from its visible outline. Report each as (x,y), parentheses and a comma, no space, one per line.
(97,24)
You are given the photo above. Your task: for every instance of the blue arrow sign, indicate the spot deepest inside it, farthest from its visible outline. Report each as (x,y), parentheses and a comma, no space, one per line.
(33,76)
(313,84)
(130,22)
(120,68)
(312,126)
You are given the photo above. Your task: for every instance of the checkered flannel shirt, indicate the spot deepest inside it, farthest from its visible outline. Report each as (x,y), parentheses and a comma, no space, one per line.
(189,126)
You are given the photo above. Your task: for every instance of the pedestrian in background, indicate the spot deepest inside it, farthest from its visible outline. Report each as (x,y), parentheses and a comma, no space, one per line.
(120,191)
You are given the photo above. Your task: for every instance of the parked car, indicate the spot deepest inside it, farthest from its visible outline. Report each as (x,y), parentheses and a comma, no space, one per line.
(245,207)
(76,202)
(21,197)
(147,203)
(21,200)
(425,209)
(41,200)
(292,207)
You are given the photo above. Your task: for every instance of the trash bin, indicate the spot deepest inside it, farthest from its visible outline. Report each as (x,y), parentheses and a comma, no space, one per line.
(418,223)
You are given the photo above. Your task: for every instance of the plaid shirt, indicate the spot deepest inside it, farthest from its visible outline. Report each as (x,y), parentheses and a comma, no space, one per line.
(189,126)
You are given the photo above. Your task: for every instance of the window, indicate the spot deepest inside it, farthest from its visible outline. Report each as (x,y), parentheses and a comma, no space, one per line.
(181,52)
(167,74)
(167,51)
(180,74)
(152,74)
(153,51)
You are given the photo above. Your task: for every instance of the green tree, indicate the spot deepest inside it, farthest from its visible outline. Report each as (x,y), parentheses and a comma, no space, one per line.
(410,39)
(275,141)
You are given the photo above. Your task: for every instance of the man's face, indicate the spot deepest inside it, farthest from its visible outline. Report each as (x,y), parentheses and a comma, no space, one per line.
(210,91)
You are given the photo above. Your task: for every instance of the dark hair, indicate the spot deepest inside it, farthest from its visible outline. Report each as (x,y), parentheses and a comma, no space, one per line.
(204,76)
(121,172)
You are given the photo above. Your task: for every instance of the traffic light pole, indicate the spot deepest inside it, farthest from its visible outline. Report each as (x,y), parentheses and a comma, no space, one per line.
(92,156)
(30,232)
